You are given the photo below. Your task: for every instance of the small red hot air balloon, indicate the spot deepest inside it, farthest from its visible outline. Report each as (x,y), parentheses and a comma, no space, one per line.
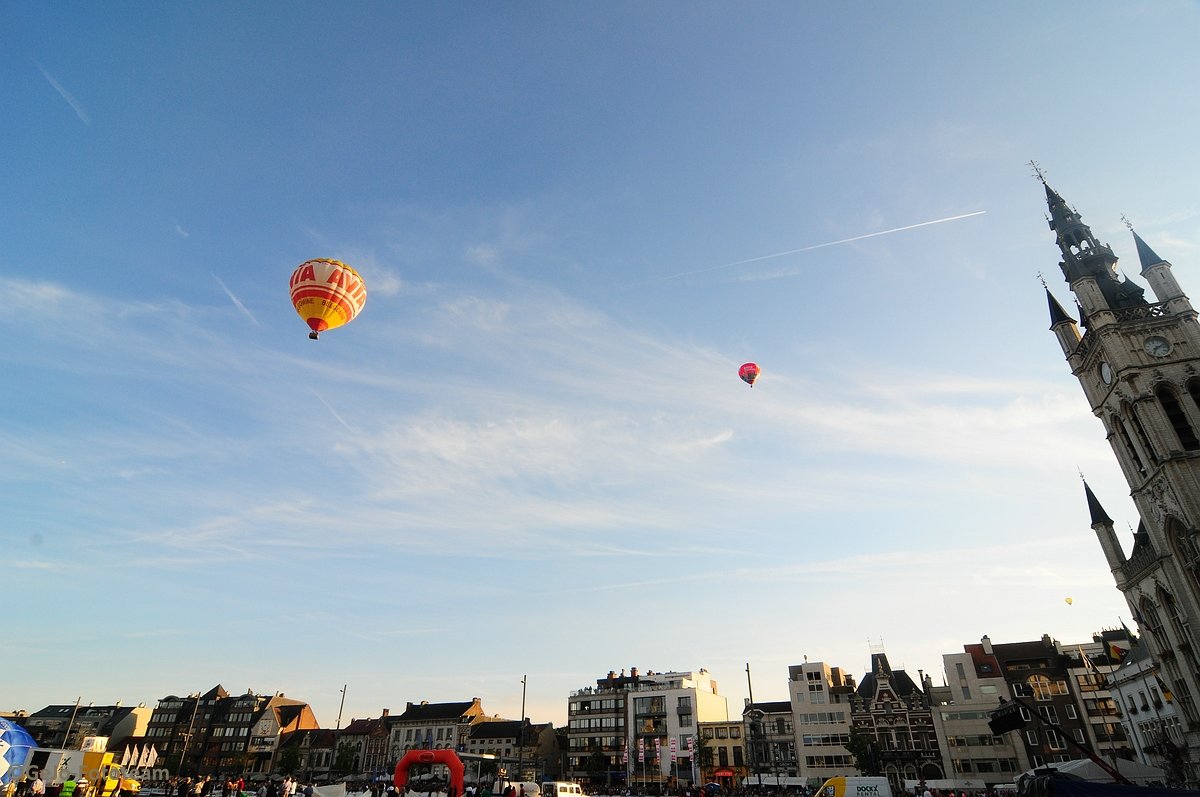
(749,372)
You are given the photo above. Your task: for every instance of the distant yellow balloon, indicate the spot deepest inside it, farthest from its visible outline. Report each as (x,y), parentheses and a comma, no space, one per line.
(1070,601)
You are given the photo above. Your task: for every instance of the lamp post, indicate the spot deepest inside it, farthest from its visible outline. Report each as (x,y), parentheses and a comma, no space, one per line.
(521,731)
(188,736)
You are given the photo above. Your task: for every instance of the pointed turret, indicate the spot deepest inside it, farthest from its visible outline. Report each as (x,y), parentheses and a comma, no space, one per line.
(1157,272)
(1103,526)
(1088,265)
(1062,325)
(1097,511)
(1145,254)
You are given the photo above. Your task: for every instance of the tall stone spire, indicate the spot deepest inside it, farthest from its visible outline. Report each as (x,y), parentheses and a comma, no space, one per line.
(1088,265)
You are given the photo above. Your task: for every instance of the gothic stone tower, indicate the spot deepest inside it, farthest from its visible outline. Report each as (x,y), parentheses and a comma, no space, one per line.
(1139,366)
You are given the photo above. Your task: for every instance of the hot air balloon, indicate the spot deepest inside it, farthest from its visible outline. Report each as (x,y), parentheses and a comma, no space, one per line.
(16,747)
(1070,601)
(327,294)
(749,372)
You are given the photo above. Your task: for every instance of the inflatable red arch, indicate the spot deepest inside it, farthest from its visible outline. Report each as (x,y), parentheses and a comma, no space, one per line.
(447,757)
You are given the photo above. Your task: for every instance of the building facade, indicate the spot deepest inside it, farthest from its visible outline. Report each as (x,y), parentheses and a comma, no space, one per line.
(1137,362)
(66,726)
(974,687)
(820,701)
(1148,715)
(218,733)
(721,753)
(895,713)
(640,728)
(771,743)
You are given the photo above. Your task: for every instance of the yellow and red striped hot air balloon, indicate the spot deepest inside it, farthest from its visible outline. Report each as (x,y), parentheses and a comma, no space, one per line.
(327,294)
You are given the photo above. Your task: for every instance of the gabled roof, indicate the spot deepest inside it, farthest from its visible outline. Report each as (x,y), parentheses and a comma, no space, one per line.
(901,683)
(423,712)
(358,727)
(503,729)
(1141,541)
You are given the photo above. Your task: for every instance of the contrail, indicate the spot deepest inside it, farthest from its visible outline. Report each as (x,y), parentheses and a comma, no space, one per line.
(334,412)
(66,95)
(810,248)
(236,301)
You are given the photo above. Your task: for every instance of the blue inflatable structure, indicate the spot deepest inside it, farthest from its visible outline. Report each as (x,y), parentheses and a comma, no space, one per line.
(16,747)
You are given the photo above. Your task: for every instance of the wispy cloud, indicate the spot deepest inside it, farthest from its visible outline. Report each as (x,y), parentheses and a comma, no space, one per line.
(66,95)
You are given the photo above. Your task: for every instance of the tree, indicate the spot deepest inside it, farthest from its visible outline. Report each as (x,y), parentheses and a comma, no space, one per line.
(289,760)
(862,747)
(343,760)
(597,762)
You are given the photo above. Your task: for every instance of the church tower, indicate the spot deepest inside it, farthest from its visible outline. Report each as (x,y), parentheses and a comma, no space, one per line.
(1139,365)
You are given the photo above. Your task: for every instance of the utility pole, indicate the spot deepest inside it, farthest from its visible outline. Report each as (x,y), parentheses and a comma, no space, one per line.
(67,737)
(188,738)
(755,727)
(521,731)
(340,707)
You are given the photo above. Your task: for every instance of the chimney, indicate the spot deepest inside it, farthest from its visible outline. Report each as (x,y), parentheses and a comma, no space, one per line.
(633,672)
(385,712)
(987,644)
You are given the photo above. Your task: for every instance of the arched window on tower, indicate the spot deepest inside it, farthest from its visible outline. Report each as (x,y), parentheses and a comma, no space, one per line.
(1143,438)
(1127,443)
(1177,417)
(1193,389)
(1151,623)
(1179,628)
(1186,546)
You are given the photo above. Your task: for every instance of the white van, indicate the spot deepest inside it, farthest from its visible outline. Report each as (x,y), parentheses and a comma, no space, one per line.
(561,788)
(856,787)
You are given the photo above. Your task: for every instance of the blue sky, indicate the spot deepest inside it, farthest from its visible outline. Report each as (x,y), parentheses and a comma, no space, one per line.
(531,453)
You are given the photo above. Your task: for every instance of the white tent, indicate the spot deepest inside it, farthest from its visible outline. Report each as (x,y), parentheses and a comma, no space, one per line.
(1089,770)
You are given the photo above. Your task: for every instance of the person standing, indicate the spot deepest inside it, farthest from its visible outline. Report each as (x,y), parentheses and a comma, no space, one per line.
(38,787)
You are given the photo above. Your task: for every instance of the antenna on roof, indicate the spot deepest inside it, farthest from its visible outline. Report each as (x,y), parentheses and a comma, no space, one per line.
(1037,170)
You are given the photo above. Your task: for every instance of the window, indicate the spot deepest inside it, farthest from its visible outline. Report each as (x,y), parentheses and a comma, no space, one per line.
(1032,738)
(1055,740)
(1174,412)
(685,702)
(722,733)
(1071,713)
(966,692)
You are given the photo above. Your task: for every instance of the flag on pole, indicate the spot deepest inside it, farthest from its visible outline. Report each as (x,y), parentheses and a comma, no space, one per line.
(641,751)
(125,758)
(153,756)
(144,760)
(1116,652)
(674,750)
(1162,687)
(134,756)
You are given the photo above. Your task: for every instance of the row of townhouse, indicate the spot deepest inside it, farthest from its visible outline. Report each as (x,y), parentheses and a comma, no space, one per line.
(255,736)
(656,728)
(663,728)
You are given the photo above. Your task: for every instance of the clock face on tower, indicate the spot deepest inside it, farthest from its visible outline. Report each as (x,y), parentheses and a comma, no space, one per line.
(1157,346)
(1106,374)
